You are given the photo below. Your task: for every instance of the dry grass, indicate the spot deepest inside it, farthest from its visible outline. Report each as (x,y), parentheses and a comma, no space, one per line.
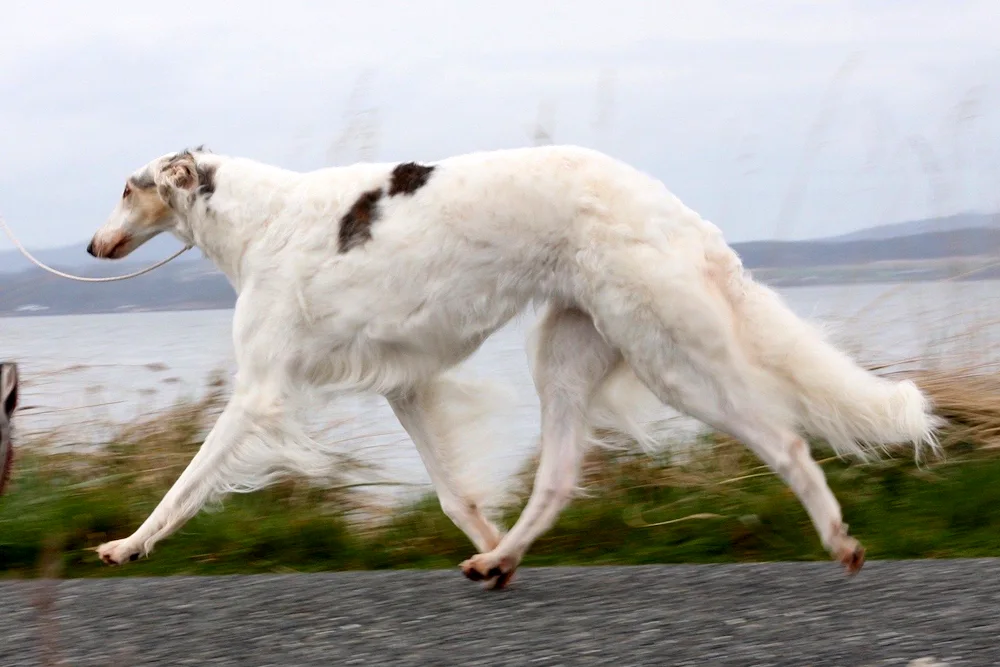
(717,503)
(969,398)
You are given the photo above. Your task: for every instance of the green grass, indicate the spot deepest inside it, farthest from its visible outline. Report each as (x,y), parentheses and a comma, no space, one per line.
(722,505)
(894,508)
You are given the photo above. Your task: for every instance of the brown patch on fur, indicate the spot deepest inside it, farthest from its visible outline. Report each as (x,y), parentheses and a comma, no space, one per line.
(206,179)
(148,207)
(184,172)
(409,177)
(356,225)
(145,209)
(180,171)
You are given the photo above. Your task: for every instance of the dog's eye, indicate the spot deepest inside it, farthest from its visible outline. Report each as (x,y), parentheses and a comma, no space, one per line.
(127,191)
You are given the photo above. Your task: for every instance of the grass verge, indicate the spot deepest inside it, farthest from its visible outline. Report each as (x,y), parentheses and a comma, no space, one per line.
(720,505)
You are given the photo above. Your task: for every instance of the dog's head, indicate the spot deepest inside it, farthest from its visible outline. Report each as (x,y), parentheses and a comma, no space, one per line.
(156,199)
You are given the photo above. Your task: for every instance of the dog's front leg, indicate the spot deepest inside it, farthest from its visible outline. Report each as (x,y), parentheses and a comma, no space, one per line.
(208,475)
(422,416)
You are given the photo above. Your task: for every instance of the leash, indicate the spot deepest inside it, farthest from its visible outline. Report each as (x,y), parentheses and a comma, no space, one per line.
(82,279)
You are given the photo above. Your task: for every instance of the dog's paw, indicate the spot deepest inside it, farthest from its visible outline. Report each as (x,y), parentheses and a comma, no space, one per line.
(118,552)
(847,550)
(852,557)
(501,582)
(496,571)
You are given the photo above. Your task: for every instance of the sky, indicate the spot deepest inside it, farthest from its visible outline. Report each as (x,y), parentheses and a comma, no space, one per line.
(780,119)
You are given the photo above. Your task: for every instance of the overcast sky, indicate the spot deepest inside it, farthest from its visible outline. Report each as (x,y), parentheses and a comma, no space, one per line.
(773,119)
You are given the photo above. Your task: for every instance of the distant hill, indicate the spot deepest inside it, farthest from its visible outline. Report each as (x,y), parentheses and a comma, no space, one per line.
(176,286)
(73,257)
(830,252)
(927,225)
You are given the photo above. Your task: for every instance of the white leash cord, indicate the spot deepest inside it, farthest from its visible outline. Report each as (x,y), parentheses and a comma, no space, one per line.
(17,244)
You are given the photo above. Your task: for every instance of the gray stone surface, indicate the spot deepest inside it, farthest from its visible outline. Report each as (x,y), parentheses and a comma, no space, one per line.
(925,613)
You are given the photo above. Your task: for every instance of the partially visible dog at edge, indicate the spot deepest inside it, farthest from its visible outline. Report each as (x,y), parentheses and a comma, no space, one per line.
(8,403)
(384,277)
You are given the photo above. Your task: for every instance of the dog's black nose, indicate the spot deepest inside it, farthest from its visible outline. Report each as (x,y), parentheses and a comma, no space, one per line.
(90,248)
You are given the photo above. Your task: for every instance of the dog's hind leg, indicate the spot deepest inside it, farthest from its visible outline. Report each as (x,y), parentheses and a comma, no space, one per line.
(421,413)
(572,360)
(685,350)
(783,450)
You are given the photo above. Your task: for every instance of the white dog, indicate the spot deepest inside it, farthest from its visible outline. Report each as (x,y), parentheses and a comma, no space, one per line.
(382,277)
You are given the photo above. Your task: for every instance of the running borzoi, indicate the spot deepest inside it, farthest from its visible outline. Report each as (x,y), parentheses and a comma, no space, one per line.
(383,277)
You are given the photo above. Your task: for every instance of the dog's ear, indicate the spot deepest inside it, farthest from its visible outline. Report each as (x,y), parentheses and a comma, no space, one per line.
(178,173)
(8,389)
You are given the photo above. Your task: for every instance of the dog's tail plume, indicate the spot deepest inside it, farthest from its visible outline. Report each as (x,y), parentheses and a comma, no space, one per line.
(793,373)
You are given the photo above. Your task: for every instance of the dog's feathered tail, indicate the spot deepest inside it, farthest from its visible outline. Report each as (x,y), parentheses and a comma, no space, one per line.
(854,410)
(798,376)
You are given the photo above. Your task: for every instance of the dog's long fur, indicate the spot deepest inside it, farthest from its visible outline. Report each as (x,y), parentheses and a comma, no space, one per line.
(383,277)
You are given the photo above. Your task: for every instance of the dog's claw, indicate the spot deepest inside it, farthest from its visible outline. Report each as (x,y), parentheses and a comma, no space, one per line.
(496,576)
(501,581)
(117,553)
(854,561)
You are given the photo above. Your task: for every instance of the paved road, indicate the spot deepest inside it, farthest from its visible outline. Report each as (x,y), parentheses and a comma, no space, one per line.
(893,613)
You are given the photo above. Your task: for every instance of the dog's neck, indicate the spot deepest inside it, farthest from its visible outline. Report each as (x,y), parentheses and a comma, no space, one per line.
(225,223)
